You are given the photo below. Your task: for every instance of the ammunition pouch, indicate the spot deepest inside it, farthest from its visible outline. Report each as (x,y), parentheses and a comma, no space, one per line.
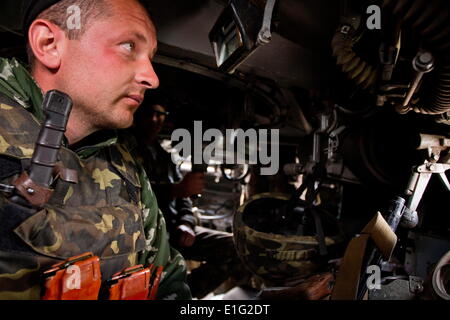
(131,284)
(79,278)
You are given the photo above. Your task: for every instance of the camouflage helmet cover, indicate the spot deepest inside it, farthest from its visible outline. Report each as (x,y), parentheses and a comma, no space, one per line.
(270,253)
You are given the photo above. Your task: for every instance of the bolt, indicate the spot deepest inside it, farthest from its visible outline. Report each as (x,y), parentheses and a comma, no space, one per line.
(418,287)
(425,58)
(264,36)
(431,167)
(423,62)
(30,191)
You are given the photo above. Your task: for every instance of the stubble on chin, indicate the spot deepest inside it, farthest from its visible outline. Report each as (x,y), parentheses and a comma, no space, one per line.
(122,119)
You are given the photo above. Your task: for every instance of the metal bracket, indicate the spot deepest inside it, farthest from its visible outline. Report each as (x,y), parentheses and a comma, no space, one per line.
(422,174)
(333,141)
(420,178)
(415,284)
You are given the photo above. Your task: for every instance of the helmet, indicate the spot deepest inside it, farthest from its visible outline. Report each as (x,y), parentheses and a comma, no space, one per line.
(278,245)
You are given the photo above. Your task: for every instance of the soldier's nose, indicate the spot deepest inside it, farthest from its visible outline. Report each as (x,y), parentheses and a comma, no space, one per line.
(146,76)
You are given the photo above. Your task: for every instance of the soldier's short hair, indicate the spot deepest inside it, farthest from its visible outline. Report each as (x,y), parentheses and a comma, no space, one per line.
(58,14)
(90,10)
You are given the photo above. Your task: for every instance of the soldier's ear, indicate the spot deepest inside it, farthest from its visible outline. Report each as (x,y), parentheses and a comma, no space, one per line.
(46,41)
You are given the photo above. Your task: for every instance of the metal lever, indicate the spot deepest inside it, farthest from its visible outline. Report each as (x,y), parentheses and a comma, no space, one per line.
(416,188)
(422,63)
(422,174)
(264,35)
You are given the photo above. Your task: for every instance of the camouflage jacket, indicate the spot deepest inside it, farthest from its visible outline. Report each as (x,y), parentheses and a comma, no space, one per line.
(111,211)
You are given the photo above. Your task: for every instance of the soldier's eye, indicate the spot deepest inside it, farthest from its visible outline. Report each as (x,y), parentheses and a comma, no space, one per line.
(129,46)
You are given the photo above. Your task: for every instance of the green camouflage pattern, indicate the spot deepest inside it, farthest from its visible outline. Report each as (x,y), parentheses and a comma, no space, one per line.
(274,257)
(16,83)
(157,250)
(111,211)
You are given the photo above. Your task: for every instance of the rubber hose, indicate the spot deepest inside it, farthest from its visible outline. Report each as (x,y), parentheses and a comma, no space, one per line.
(358,70)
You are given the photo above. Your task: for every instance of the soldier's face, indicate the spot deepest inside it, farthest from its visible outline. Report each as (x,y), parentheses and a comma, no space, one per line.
(157,119)
(108,69)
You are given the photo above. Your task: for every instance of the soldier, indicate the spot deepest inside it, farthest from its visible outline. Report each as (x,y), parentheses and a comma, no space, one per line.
(173,192)
(103,63)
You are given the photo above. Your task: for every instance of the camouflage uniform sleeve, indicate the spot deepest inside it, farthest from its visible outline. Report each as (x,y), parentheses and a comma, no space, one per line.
(173,285)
